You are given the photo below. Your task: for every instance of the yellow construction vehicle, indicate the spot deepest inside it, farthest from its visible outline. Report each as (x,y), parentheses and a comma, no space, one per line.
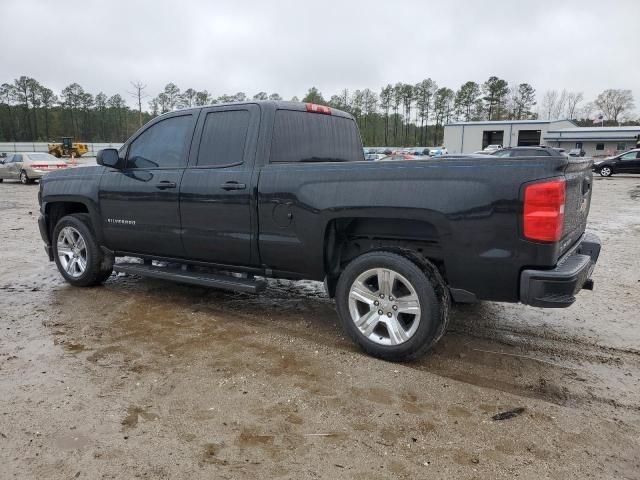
(67,147)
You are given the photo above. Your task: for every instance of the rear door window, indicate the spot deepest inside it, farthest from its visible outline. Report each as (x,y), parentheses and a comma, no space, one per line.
(629,156)
(311,137)
(223,138)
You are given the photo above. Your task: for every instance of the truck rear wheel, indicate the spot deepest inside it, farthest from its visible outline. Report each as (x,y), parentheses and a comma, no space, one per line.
(391,306)
(77,254)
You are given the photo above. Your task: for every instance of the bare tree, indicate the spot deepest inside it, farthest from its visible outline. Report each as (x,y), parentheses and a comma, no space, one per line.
(614,102)
(138,94)
(559,106)
(573,100)
(549,101)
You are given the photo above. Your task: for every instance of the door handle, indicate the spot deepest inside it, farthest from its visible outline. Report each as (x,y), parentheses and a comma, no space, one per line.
(166,184)
(233,186)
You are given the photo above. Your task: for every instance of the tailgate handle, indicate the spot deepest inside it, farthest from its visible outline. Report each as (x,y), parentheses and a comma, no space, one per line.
(586,186)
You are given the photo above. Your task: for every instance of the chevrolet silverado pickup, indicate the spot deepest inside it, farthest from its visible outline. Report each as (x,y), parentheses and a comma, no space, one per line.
(226,196)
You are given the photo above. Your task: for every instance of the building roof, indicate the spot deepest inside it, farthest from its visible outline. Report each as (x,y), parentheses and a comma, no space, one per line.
(507,122)
(610,134)
(572,138)
(632,128)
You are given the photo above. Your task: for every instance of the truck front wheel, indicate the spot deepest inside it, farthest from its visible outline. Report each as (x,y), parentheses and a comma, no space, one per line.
(392,307)
(77,254)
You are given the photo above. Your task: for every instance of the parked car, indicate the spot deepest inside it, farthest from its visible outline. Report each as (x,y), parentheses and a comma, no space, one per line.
(281,189)
(627,162)
(576,152)
(527,152)
(374,156)
(28,166)
(492,148)
(437,151)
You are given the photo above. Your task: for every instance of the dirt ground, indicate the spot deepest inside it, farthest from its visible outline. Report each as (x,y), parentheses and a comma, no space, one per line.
(149,379)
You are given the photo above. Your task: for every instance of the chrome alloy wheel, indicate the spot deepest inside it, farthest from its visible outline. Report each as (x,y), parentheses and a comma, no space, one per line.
(605,171)
(72,252)
(384,306)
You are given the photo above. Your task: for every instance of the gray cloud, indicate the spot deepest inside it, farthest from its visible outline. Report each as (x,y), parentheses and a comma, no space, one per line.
(288,46)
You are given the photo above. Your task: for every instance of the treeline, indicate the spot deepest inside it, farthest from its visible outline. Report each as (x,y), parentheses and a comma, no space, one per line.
(399,115)
(29,111)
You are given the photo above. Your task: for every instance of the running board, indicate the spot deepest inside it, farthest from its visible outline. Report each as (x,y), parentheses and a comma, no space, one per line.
(213,280)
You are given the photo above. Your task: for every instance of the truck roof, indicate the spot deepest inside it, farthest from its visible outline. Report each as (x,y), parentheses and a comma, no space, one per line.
(273,104)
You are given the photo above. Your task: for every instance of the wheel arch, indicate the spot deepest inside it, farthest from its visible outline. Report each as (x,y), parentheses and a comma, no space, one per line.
(58,208)
(348,238)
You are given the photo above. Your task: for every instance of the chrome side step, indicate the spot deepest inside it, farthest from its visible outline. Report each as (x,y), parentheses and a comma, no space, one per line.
(203,279)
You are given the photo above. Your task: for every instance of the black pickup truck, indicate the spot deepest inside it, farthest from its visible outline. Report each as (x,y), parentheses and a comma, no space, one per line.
(226,195)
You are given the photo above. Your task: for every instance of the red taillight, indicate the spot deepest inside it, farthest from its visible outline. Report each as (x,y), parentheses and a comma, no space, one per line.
(312,107)
(544,211)
(39,165)
(62,166)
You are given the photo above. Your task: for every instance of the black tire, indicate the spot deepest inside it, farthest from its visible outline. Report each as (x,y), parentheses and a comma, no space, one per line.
(1,180)
(432,295)
(24,178)
(98,265)
(606,172)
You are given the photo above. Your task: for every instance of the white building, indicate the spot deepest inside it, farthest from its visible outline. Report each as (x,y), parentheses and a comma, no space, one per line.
(595,141)
(469,137)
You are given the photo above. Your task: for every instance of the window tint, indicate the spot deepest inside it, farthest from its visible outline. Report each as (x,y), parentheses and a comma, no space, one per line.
(502,153)
(161,145)
(629,156)
(311,137)
(43,157)
(599,146)
(223,138)
(621,146)
(530,152)
(17,158)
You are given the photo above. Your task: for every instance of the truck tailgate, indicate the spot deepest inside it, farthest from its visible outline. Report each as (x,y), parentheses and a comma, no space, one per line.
(579,182)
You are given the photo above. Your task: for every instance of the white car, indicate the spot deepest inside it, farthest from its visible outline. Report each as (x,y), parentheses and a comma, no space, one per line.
(28,166)
(437,151)
(492,148)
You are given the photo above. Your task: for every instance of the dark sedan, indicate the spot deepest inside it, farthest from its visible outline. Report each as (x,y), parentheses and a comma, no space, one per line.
(627,162)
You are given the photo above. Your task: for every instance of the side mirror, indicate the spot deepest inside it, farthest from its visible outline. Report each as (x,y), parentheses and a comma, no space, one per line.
(108,157)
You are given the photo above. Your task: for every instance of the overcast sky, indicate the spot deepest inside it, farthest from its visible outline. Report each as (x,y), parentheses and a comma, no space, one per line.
(288,46)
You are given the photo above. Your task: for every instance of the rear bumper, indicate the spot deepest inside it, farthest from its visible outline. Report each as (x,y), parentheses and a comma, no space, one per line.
(556,288)
(34,174)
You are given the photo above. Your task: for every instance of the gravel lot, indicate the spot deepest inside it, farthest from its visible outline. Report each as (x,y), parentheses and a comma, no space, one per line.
(144,378)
